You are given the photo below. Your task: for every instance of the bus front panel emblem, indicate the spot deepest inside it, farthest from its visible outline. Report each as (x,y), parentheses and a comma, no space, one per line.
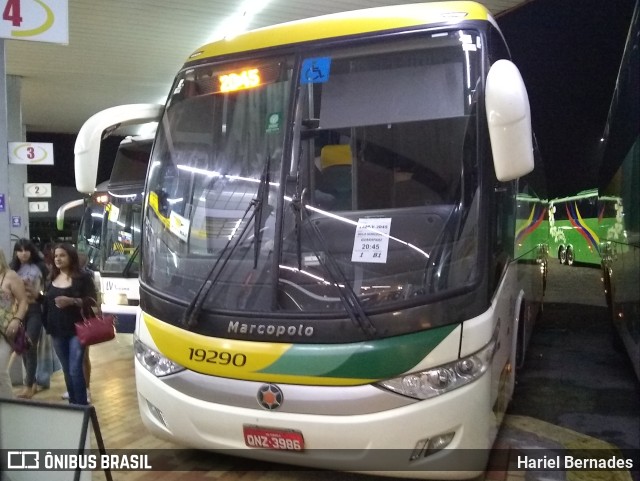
(270,396)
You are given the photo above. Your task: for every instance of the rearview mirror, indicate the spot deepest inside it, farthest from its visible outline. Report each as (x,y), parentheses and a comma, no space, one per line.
(509,120)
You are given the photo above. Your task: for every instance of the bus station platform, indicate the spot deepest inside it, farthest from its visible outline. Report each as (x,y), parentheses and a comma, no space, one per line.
(574,392)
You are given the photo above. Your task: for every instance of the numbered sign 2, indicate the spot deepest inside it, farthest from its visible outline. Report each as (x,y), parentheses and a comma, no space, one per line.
(37,190)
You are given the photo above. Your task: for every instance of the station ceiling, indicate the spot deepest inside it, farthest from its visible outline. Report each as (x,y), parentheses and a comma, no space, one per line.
(128,51)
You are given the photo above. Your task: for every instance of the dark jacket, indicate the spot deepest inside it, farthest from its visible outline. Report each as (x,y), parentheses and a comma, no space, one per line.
(61,322)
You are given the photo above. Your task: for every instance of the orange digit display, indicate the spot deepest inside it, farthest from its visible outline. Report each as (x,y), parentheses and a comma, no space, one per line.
(246,79)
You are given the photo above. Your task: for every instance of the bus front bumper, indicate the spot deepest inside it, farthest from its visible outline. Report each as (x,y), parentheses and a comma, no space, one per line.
(384,443)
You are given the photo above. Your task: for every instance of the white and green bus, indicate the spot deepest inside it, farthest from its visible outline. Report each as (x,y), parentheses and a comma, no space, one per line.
(620,191)
(329,275)
(110,231)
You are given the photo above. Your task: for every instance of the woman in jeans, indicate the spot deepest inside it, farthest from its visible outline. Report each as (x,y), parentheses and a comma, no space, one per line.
(13,307)
(27,263)
(69,290)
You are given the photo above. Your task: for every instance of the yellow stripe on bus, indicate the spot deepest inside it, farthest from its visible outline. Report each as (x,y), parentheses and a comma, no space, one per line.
(230,358)
(345,24)
(584,225)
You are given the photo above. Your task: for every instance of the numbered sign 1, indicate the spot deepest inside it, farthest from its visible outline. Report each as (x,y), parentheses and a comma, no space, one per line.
(39,206)
(35,20)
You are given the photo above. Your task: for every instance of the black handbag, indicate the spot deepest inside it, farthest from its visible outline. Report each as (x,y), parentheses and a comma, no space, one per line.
(20,342)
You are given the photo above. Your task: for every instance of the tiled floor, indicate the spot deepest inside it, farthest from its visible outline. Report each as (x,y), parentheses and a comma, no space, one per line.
(113,395)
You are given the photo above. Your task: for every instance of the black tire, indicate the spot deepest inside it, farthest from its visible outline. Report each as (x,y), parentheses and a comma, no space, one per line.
(562,255)
(570,258)
(521,338)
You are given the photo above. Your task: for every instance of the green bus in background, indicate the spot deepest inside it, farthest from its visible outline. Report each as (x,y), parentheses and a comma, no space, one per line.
(532,226)
(577,224)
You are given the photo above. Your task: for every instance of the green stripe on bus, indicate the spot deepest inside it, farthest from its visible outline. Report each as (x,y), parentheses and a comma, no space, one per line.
(377,359)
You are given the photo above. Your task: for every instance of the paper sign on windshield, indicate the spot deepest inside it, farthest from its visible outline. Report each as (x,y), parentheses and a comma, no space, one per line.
(179,226)
(371,241)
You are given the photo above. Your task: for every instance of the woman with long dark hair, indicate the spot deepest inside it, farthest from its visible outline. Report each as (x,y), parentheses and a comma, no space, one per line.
(27,263)
(70,289)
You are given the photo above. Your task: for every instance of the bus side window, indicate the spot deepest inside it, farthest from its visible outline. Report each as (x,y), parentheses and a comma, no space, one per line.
(503,236)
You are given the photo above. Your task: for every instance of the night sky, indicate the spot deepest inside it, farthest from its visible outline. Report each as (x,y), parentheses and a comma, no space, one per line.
(568,52)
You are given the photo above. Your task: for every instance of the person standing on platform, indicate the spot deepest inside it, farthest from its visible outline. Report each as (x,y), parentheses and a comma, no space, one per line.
(47,360)
(13,307)
(27,263)
(70,290)
(86,362)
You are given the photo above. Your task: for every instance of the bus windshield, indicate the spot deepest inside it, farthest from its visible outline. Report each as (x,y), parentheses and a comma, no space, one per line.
(90,233)
(371,196)
(122,236)
(123,213)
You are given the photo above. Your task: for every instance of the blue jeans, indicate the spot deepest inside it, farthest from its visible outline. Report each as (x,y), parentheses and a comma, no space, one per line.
(70,353)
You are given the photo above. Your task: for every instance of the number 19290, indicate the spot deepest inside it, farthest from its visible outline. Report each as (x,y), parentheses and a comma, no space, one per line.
(212,356)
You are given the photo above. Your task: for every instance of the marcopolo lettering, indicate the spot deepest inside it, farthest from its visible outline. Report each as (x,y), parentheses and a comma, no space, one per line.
(300,330)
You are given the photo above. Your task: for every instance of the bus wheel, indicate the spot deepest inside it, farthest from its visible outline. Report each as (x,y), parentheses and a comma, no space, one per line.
(562,255)
(521,337)
(570,257)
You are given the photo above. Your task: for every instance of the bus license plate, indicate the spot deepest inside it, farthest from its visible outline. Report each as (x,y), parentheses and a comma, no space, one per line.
(269,438)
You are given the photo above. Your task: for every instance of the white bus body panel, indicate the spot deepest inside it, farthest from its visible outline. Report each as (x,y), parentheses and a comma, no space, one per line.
(473,412)
(87,146)
(112,287)
(121,297)
(205,425)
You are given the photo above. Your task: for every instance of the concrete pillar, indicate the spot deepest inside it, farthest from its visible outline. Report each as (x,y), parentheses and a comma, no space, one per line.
(14,218)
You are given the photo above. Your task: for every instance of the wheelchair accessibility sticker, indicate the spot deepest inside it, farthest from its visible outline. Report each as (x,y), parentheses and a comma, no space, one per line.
(315,70)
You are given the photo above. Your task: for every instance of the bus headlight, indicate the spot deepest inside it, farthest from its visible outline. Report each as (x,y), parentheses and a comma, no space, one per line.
(153,361)
(442,379)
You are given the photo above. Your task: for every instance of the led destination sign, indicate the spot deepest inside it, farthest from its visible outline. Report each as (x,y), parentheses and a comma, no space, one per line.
(246,79)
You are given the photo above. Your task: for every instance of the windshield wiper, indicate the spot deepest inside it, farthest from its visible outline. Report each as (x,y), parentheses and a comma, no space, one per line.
(261,201)
(127,268)
(296,205)
(191,313)
(347,295)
